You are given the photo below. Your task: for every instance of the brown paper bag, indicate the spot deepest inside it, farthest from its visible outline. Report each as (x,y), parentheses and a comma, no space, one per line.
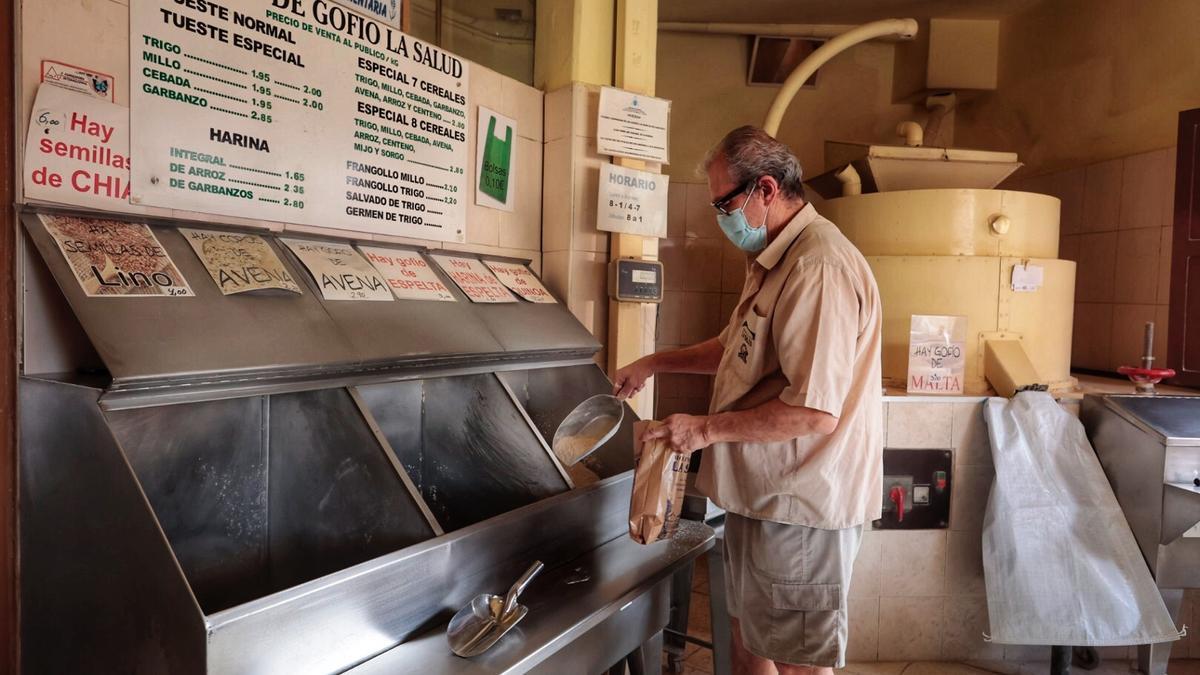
(658,483)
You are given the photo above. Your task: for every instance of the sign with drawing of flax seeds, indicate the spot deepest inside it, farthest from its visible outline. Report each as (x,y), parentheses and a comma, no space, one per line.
(340,272)
(297,111)
(239,262)
(110,258)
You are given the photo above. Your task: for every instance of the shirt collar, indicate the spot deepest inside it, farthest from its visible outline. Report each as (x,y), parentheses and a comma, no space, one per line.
(773,253)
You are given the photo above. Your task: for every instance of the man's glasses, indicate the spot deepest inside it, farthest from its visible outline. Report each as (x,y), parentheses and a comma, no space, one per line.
(721,203)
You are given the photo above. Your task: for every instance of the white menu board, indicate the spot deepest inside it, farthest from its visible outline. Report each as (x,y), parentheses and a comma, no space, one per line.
(298,111)
(632,202)
(633,125)
(474,278)
(520,280)
(407,274)
(340,272)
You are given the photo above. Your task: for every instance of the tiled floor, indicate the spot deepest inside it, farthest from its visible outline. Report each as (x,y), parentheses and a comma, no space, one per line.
(698,660)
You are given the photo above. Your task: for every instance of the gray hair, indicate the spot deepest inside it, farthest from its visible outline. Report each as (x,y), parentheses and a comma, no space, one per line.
(751,152)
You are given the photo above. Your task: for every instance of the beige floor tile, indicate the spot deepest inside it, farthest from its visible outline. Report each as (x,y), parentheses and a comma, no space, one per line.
(863,644)
(700,661)
(864,580)
(969,435)
(699,618)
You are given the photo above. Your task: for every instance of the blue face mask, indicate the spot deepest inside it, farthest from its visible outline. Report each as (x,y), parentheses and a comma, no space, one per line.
(738,229)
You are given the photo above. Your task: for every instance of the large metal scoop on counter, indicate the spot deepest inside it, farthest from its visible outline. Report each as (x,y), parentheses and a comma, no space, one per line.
(481,624)
(587,428)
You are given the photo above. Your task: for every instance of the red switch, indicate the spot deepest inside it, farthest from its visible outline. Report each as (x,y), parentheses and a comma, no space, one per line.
(939,479)
(897,497)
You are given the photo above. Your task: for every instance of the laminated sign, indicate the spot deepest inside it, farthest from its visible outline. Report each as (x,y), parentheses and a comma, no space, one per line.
(239,262)
(474,278)
(495,157)
(339,270)
(519,279)
(632,202)
(937,354)
(407,274)
(112,258)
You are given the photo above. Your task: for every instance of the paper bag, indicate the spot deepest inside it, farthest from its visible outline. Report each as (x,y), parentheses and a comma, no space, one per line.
(658,483)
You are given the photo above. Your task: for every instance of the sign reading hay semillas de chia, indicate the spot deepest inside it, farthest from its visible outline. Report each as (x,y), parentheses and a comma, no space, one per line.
(298,111)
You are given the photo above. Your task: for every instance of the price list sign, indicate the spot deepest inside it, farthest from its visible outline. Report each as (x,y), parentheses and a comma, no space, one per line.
(298,111)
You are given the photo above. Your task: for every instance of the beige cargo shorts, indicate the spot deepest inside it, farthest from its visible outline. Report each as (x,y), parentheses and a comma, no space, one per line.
(787,585)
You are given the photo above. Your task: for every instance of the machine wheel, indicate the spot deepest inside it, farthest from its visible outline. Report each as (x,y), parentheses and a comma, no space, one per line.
(1086,658)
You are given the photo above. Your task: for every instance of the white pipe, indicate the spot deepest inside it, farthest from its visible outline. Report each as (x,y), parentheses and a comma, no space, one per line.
(820,31)
(914,135)
(850,180)
(870,31)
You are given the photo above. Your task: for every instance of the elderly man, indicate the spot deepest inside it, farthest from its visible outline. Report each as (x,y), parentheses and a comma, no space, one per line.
(793,437)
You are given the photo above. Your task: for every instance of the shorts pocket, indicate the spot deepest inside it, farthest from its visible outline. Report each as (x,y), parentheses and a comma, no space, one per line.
(809,620)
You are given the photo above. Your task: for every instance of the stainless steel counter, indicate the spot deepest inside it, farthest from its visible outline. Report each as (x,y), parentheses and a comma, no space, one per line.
(582,624)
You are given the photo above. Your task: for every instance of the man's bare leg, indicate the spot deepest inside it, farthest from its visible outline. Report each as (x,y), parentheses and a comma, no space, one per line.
(744,662)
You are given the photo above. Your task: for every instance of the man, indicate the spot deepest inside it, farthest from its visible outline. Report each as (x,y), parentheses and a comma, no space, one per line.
(794,434)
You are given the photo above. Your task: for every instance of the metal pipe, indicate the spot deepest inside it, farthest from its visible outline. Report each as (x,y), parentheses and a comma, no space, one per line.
(817,31)
(850,180)
(913,134)
(839,44)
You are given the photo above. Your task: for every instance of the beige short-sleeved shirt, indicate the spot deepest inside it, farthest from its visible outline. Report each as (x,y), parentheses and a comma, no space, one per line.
(806,331)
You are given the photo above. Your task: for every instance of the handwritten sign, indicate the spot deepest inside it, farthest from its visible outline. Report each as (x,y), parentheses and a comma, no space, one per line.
(937,354)
(238,262)
(111,258)
(340,272)
(521,281)
(407,274)
(77,151)
(474,278)
(633,125)
(632,202)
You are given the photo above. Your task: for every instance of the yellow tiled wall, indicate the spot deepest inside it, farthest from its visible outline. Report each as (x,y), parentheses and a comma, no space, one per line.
(1116,218)
(702,281)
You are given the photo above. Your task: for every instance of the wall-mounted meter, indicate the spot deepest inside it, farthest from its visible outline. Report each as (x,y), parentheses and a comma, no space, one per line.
(634,280)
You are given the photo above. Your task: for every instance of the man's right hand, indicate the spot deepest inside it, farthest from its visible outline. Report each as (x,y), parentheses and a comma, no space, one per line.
(628,381)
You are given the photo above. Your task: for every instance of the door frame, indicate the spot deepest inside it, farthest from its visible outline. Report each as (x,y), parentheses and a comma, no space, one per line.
(1187,175)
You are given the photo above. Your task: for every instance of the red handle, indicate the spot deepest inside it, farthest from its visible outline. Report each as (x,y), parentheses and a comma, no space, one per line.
(1154,375)
(897,497)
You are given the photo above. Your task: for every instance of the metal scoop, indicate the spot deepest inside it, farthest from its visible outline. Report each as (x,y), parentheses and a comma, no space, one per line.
(479,625)
(588,426)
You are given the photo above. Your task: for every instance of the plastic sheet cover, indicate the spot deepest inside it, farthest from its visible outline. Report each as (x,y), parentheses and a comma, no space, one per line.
(1060,563)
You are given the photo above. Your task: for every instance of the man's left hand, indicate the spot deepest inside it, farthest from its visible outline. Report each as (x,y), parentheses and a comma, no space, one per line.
(684,433)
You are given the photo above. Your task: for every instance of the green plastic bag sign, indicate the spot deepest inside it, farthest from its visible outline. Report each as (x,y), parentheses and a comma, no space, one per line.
(495,160)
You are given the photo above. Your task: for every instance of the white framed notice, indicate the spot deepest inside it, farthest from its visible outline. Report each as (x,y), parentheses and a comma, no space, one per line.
(77,151)
(495,159)
(633,125)
(520,280)
(632,202)
(297,111)
(340,272)
(407,274)
(474,278)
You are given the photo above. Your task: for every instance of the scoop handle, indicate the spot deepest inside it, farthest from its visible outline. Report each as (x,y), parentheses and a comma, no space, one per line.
(510,600)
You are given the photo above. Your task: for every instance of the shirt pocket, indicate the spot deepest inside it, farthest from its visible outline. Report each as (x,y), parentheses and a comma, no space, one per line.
(750,345)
